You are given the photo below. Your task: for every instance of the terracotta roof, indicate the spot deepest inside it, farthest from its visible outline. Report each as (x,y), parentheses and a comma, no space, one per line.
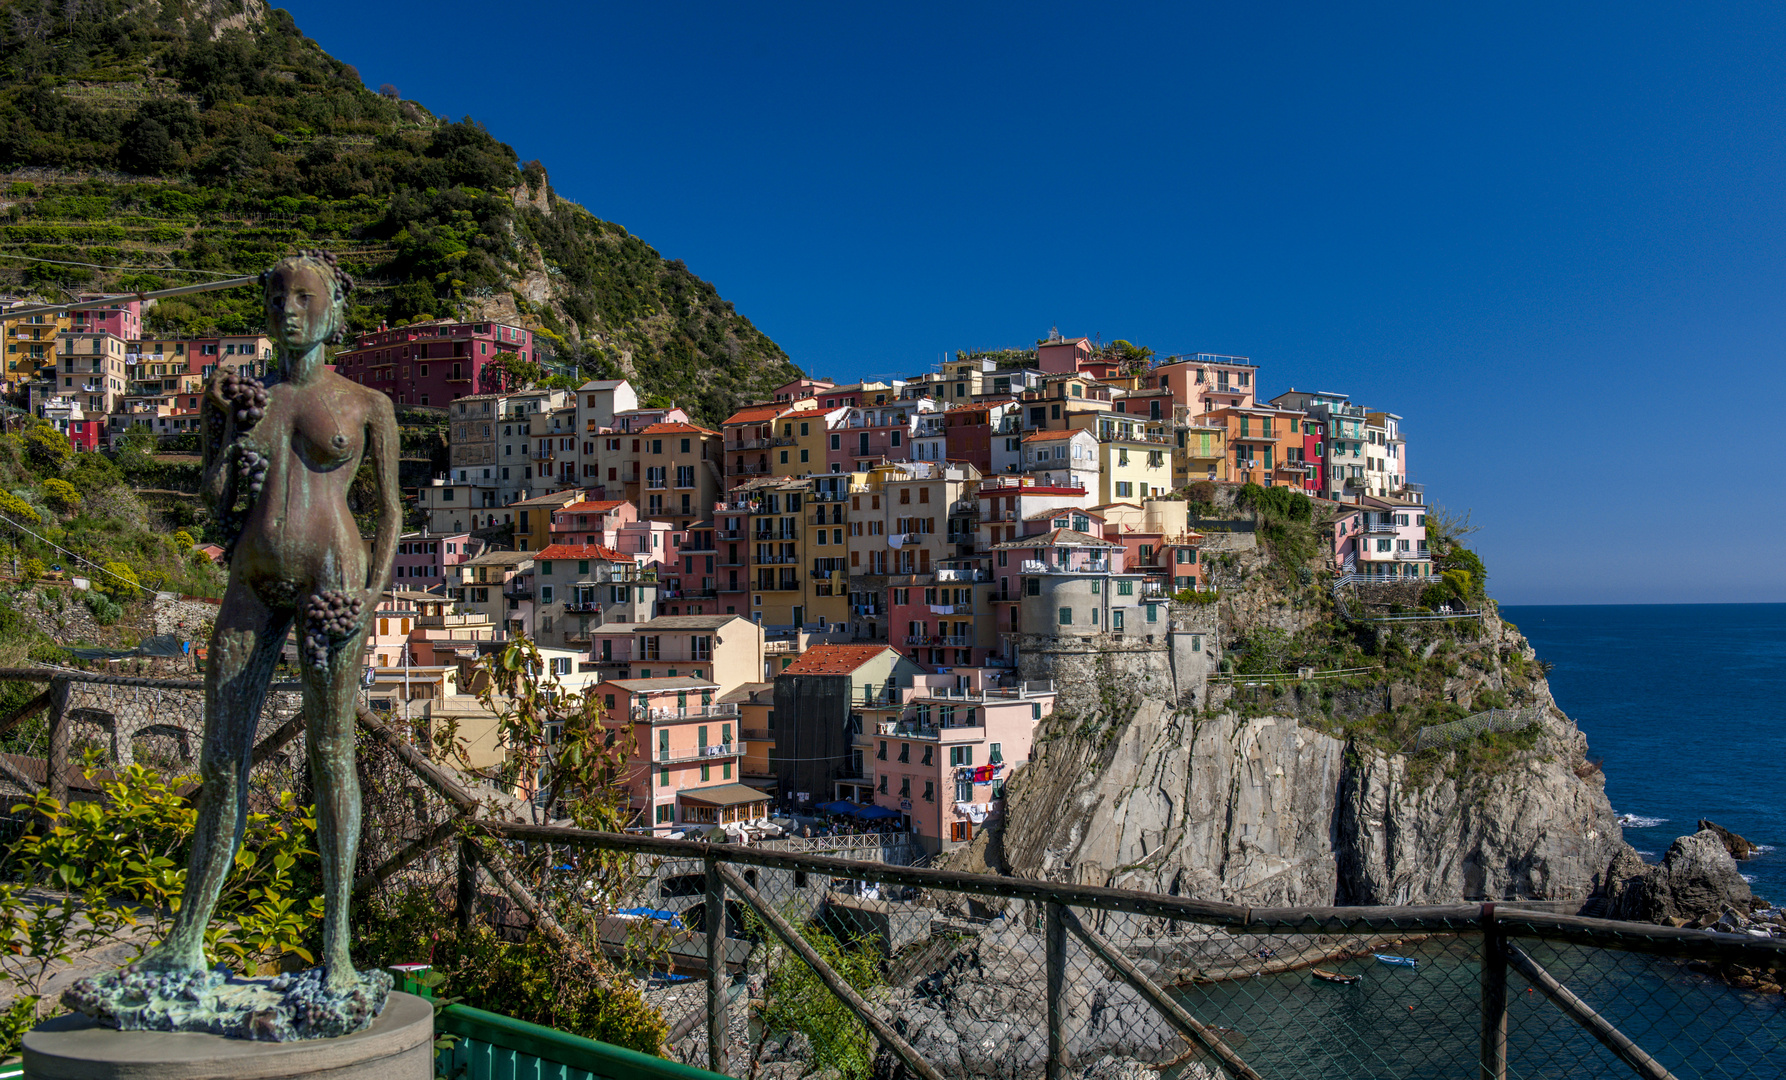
(581,551)
(593,507)
(667,426)
(1049,436)
(756,414)
(834,659)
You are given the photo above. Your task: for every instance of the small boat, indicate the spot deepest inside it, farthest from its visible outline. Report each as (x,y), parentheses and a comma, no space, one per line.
(1396,961)
(1336,977)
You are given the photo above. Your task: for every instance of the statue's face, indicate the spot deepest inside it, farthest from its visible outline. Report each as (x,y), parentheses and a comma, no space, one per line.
(300,305)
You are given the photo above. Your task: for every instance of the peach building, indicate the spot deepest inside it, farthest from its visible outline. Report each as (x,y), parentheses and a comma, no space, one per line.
(684,766)
(938,751)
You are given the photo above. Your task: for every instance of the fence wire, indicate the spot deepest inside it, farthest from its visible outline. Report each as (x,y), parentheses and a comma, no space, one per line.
(978,984)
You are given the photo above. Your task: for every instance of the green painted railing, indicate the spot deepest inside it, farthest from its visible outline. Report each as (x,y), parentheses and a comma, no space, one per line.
(490,1046)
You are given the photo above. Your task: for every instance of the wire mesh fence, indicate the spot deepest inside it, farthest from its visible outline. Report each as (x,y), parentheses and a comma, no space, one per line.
(1471,726)
(800,957)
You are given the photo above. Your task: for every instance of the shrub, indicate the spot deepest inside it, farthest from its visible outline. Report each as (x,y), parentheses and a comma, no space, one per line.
(32,569)
(183,540)
(18,509)
(106,611)
(47,448)
(118,581)
(61,496)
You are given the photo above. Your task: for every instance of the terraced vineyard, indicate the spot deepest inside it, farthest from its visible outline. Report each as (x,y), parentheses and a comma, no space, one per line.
(146,145)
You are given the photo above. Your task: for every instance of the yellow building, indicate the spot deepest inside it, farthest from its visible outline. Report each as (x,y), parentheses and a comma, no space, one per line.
(1134,457)
(1200,449)
(678,471)
(31,342)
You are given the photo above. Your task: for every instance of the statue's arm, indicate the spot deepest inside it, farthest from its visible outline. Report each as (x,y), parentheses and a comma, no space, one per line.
(214,425)
(381,444)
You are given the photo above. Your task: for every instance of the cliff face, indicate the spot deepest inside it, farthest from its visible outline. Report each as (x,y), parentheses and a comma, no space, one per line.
(1269,809)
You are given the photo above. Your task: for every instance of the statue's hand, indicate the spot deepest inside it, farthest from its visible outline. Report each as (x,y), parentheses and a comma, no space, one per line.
(241,397)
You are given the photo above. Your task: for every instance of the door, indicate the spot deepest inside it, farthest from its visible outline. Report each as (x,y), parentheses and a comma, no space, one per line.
(799,616)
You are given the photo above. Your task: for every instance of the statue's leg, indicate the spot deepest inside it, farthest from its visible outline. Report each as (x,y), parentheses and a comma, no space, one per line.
(329,710)
(244,650)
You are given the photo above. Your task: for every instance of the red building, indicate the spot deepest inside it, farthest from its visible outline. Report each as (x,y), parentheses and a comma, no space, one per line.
(434,363)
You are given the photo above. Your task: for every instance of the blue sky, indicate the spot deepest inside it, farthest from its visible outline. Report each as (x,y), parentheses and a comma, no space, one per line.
(1549,237)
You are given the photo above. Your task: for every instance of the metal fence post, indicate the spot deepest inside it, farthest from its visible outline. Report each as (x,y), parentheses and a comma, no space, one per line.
(1494,997)
(56,760)
(1059,1061)
(716,966)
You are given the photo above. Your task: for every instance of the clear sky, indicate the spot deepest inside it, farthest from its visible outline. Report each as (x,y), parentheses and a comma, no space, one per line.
(1550,239)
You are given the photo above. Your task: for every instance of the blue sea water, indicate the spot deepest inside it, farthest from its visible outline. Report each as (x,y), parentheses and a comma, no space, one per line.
(1686,705)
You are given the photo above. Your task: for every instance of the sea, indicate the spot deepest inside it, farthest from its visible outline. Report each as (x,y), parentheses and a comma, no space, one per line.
(1685,706)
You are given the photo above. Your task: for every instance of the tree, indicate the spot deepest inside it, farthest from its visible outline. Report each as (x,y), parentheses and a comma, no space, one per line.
(386,90)
(515,372)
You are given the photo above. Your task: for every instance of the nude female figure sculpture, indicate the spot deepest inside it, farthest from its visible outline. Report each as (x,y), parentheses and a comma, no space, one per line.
(279,460)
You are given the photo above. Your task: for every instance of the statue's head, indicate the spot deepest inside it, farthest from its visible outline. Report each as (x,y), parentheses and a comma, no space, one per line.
(306,298)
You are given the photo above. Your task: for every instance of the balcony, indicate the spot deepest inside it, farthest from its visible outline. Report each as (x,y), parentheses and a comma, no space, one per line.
(784,585)
(941,641)
(702,753)
(1379,528)
(1117,435)
(943,576)
(776,560)
(685,712)
(754,734)
(580,607)
(747,444)
(776,534)
(965,506)
(747,470)
(657,485)
(577,637)
(543,455)
(1031,566)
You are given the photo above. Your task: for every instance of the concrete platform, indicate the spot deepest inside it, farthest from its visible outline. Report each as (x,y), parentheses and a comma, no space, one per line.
(398,1046)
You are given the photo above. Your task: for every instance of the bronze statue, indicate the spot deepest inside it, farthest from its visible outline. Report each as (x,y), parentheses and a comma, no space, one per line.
(279,460)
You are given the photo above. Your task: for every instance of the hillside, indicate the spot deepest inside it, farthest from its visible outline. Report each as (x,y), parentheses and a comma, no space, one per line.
(211,135)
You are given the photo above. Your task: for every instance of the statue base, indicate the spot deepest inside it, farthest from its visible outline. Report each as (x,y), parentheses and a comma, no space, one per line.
(398,1045)
(282,1008)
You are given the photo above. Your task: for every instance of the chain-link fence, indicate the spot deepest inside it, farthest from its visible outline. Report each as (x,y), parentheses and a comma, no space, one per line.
(795,957)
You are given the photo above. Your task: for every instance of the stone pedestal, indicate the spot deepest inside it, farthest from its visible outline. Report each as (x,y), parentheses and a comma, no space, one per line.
(398,1046)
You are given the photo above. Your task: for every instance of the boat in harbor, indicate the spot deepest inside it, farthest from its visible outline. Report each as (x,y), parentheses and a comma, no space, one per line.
(1396,961)
(1336,977)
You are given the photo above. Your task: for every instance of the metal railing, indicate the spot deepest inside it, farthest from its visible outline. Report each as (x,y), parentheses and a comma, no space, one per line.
(959,975)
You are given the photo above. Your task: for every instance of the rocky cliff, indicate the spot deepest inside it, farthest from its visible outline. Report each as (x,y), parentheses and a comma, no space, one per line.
(1308,795)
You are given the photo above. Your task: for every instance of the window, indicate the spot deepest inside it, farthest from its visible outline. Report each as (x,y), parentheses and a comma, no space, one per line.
(1066,616)
(1124,489)
(665,814)
(1097,587)
(1116,619)
(882,787)
(1125,588)
(961,756)
(1032,586)
(929,791)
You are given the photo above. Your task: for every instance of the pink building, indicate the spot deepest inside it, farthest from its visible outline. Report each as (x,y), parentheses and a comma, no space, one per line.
(938,751)
(877,433)
(433,363)
(593,522)
(1205,382)
(426,561)
(1383,539)
(122,318)
(1062,356)
(683,768)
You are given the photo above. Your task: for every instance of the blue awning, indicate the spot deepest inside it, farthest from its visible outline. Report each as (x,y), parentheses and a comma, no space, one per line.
(653,913)
(876,813)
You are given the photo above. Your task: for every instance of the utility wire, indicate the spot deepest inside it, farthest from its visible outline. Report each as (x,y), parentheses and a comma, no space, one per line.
(97,266)
(77,558)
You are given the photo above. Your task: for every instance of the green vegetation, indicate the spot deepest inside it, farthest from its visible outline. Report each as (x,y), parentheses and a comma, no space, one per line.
(242,149)
(107,867)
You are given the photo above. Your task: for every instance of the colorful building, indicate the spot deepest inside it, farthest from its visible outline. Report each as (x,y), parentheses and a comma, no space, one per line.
(435,363)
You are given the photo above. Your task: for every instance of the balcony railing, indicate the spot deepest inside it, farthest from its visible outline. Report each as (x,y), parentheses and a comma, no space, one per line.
(680,712)
(704,753)
(747,470)
(1031,566)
